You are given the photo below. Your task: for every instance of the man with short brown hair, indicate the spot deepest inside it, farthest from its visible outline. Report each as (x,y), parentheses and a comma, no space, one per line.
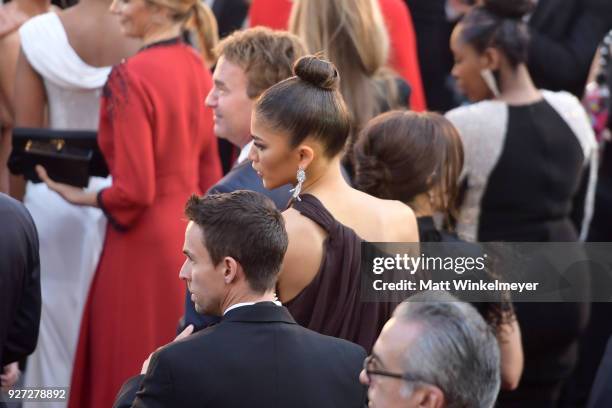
(249,62)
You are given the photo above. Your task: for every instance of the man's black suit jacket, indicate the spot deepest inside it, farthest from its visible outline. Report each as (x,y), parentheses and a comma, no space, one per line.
(243,177)
(256,357)
(230,15)
(601,393)
(564,37)
(20,301)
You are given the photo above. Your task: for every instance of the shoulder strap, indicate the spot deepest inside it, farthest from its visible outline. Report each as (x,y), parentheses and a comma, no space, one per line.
(45,44)
(310,207)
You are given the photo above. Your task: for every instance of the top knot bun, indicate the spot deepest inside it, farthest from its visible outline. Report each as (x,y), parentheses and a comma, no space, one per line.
(515,9)
(316,71)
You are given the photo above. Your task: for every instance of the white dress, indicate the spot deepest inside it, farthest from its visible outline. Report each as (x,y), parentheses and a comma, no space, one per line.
(71,237)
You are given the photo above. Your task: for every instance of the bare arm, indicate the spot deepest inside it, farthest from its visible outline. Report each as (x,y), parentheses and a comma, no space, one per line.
(511,350)
(9,49)
(404,223)
(574,52)
(30,104)
(30,96)
(5,145)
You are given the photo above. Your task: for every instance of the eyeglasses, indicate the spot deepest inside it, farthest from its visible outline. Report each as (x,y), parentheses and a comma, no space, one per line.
(369,370)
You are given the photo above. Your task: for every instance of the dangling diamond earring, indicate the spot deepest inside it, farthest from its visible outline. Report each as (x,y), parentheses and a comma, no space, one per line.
(301,177)
(489,78)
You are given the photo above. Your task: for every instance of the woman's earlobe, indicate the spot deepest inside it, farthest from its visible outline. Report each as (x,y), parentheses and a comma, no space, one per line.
(306,156)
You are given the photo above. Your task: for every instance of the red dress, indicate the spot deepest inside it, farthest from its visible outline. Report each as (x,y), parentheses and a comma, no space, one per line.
(403,59)
(157,138)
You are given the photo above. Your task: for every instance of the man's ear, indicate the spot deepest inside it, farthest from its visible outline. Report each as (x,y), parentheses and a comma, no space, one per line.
(429,396)
(230,270)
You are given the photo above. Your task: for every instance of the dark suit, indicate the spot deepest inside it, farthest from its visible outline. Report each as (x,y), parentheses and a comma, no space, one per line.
(601,394)
(564,37)
(20,301)
(256,357)
(230,15)
(433,32)
(241,177)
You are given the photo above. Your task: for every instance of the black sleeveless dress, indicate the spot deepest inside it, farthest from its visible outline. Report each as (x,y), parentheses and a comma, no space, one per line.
(331,304)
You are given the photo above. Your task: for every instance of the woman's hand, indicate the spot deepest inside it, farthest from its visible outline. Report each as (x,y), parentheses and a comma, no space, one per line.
(73,195)
(9,376)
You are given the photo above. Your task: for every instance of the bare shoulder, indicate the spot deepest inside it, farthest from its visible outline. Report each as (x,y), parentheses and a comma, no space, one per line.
(10,18)
(9,50)
(9,41)
(294,221)
(303,230)
(9,46)
(402,221)
(396,218)
(303,257)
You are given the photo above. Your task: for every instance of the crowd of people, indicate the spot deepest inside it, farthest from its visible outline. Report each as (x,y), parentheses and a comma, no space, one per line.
(340,123)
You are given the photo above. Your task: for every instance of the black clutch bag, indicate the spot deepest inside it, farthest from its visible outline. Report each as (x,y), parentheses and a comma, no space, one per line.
(69,156)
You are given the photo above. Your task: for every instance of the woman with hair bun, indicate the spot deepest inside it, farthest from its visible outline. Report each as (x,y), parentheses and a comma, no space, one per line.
(529,176)
(416,158)
(300,127)
(157,138)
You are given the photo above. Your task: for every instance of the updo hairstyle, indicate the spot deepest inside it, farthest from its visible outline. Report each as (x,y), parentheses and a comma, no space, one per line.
(400,155)
(308,104)
(499,24)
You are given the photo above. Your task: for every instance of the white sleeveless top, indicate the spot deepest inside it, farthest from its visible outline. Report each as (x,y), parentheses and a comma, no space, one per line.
(71,237)
(73,87)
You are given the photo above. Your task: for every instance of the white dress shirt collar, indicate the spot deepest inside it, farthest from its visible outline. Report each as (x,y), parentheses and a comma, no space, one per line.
(237,305)
(244,153)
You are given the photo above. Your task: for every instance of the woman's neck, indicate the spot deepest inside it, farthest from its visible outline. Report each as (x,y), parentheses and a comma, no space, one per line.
(516,86)
(421,205)
(161,34)
(324,176)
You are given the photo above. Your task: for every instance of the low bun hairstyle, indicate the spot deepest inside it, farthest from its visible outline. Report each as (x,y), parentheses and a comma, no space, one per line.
(499,24)
(308,104)
(401,154)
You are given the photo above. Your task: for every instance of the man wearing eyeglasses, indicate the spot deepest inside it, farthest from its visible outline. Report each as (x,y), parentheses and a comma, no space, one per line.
(434,352)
